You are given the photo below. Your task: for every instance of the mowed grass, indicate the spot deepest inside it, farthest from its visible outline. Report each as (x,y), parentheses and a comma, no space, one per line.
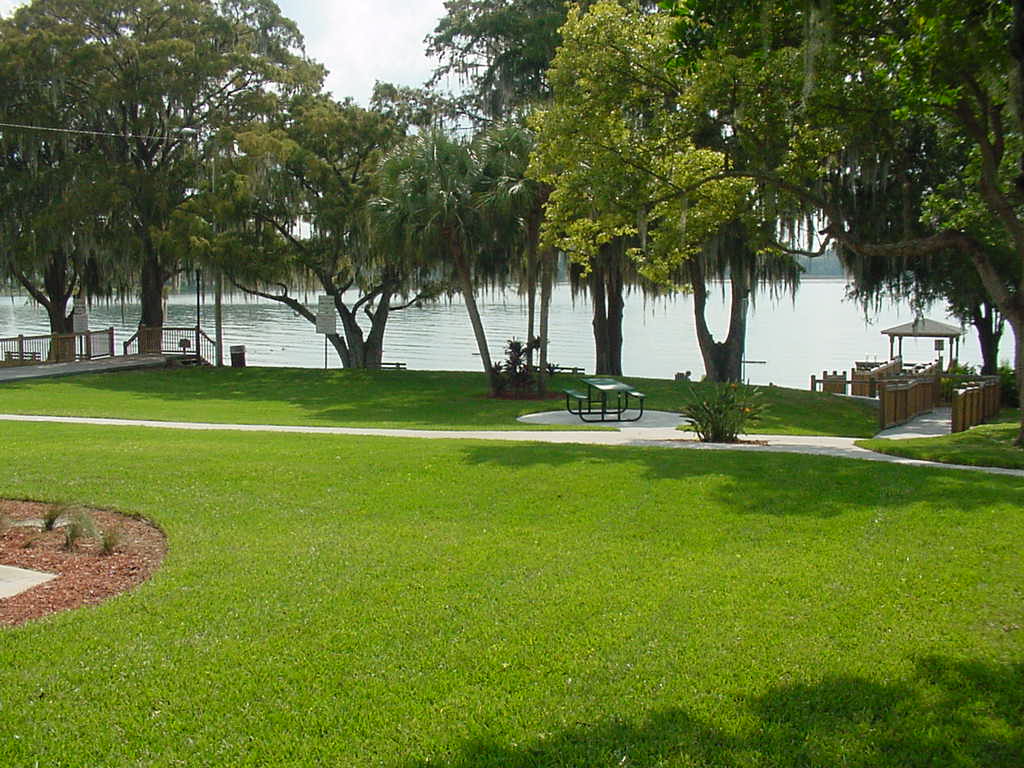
(987,445)
(367,601)
(389,399)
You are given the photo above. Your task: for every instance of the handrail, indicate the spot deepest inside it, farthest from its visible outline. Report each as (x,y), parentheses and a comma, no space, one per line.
(171,340)
(978,400)
(56,347)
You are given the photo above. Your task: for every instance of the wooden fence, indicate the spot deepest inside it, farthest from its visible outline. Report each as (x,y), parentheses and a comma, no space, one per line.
(56,348)
(975,402)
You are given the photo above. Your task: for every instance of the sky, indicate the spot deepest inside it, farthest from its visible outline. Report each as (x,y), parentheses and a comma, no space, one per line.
(359,41)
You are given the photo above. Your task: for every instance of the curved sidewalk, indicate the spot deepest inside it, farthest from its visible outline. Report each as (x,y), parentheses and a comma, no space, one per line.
(668,437)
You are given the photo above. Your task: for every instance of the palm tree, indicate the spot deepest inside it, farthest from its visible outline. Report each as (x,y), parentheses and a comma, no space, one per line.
(516,204)
(430,206)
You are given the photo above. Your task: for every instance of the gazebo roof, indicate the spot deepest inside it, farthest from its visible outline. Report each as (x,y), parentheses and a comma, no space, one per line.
(924,327)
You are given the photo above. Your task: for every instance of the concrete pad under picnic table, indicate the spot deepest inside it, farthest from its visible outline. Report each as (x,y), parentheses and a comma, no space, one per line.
(14,581)
(650,420)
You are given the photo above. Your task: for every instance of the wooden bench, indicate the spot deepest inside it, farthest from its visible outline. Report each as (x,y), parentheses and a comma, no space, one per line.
(393,366)
(575,370)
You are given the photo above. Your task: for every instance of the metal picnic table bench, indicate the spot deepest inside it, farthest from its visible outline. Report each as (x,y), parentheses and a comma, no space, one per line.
(595,404)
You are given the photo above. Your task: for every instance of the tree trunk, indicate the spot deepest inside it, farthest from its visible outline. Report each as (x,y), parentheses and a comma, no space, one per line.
(723,361)
(1016,321)
(531,300)
(546,281)
(616,307)
(468,294)
(152,292)
(605,283)
(602,361)
(57,289)
(990,332)
(373,354)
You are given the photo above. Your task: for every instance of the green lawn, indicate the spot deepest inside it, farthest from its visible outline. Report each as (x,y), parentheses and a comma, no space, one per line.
(988,445)
(392,399)
(368,601)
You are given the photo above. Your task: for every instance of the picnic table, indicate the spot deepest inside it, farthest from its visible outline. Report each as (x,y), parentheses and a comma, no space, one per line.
(598,403)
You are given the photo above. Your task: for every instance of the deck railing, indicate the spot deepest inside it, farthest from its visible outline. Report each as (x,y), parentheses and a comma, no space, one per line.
(189,342)
(976,401)
(902,399)
(864,376)
(56,348)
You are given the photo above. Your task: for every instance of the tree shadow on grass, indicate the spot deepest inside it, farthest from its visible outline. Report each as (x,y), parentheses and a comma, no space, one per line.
(948,713)
(752,482)
(436,399)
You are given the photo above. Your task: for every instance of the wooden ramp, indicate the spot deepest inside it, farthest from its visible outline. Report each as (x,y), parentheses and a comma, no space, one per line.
(104,365)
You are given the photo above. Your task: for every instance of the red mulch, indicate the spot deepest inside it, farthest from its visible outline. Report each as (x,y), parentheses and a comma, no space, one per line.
(85,575)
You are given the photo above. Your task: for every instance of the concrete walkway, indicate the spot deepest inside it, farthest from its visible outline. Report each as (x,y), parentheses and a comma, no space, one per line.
(14,581)
(654,436)
(938,422)
(104,365)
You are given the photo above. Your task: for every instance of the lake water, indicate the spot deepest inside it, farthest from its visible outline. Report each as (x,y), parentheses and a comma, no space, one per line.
(819,329)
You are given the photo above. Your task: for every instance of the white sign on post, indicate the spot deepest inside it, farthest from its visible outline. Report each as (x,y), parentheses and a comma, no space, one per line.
(326,316)
(80,318)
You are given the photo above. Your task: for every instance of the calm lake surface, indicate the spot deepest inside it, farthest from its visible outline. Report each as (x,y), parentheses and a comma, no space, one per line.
(818,329)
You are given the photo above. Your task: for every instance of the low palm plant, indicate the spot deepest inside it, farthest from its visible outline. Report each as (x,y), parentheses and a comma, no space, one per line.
(720,413)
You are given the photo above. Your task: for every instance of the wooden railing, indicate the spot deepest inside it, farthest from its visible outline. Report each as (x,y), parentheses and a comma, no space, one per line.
(902,399)
(56,348)
(975,402)
(188,342)
(864,376)
(862,381)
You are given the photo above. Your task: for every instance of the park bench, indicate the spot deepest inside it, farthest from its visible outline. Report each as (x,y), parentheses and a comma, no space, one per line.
(393,366)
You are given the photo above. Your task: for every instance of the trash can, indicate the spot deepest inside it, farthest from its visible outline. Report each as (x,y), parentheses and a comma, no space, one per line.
(238,356)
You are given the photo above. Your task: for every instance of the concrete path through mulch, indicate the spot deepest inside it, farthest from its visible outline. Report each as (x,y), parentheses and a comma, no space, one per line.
(668,437)
(14,581)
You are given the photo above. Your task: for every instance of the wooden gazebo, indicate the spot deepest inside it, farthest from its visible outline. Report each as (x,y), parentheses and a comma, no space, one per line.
(924,328)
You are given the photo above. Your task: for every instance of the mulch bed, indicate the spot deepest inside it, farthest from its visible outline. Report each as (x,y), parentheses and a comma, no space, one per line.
(85,575)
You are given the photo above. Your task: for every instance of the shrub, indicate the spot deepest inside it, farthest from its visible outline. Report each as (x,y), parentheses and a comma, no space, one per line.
(515,374)
(720,413)
(948,385)
(1011,398)
(110,540)
(51,516)
(80,526)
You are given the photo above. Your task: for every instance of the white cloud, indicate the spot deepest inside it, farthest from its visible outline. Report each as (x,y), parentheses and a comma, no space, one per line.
(359,41)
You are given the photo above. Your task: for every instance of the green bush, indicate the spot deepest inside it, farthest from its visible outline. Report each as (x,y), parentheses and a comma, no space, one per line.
(948,385)
(1011,398)
(720,413)
(79,527)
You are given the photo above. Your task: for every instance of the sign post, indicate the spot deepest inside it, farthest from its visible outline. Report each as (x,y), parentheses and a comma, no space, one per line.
(326,320)
(80,327)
